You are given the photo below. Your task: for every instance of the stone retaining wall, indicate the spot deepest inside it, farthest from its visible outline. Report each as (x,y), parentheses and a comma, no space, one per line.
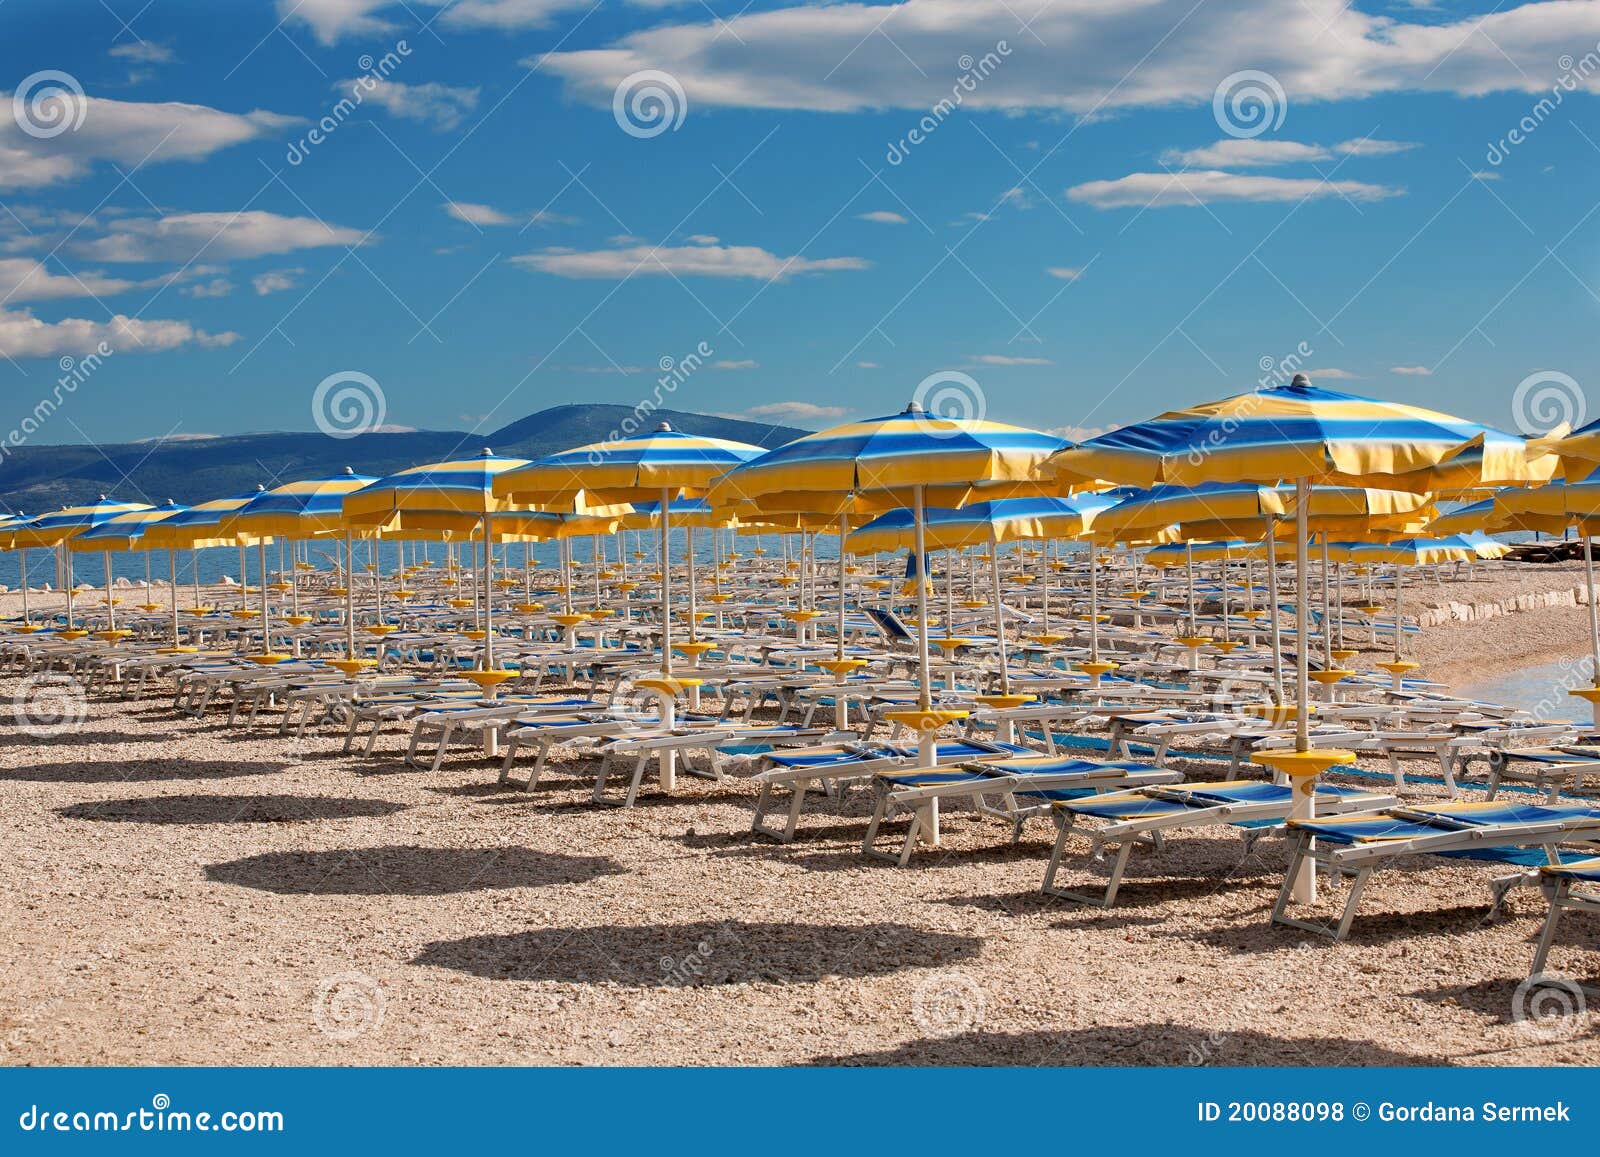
(1477,612)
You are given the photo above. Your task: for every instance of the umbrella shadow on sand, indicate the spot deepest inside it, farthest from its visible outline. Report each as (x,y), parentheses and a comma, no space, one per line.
(701,953)
(408,870)
(1160,1043)
(228,809)
(138,771)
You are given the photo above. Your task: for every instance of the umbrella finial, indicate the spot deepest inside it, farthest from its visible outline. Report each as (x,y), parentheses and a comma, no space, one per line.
(348,470)
(487,453)
(1300,381)
(664,428)
(914,407)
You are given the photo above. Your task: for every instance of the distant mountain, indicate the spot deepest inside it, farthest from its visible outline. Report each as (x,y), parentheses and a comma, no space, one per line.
(35,479)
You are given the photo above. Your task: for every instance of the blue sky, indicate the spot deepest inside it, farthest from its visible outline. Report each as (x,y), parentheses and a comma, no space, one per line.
(1086,236)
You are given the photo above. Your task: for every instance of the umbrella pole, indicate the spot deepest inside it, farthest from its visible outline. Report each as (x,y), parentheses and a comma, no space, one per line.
(1327,608)
(349,596)
(1302,563)
(844,527)
(596,560)
(666,598)
(22,566)
(62,550)
(999,627)
(924,682)
(488,610)
(1272,610)
(1188,568)
(194,561)
(266,626)
(1094,605)
(172,574)
(1399,620)
(1044,588)
(111,610)
(688,537)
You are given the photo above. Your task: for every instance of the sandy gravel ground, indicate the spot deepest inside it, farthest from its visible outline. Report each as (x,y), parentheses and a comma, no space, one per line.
(175,893)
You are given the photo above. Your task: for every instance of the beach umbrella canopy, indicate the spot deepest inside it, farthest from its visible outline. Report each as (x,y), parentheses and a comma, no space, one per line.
(302,509)
(452,495)
(125,531)
(1001,520)
(1180,553)
(70,521)
(199,526)
(1237,509)
(1407,551)
(1480,515)
(1578,452)
(1298,431)
(1551,509)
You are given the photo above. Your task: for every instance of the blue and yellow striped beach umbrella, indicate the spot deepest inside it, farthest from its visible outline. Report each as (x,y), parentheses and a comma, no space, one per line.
(458,496)
(1480,515)
(902,457)
(128,532)
(303,509)
(663,466)
(1299,431)
(1577,452)
(57,527)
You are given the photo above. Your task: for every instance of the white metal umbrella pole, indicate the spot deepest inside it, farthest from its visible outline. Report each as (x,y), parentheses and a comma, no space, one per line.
(688,536)
(1094,605)
(1272,610)
(666,591)
(1594,627)
(924,679)
(349,596)
(488,599)
(1327,608)
(1302,563)
(22,566)
(111,610)
(172,575)
(266,612)
(999,616)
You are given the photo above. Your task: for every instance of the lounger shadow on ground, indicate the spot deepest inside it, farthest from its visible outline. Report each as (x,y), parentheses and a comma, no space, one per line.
(84,739)
(139,771)
(228,809)
(702,953)
(408,870)
(1161,1043)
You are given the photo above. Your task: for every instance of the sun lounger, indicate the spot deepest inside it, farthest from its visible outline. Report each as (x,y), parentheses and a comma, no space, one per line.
(1489,830)
(1147,814)
(1575,886)
(1026,785)
(1550,769)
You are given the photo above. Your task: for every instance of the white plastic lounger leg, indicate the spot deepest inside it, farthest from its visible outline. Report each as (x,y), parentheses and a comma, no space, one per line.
(1547,937)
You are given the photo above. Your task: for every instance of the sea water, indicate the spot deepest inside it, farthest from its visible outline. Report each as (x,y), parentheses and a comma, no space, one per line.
(1542,691)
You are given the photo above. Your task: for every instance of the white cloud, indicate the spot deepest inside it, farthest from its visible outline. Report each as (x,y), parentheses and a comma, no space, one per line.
(216,287)
(1204,186)
(1065,272)
(477,214)
(797,410)
(24,279)
(703,239)
(882,217)
(275,280)
(1257,152)
(1332,374)
(1008,360)
(1075,433)
(332,20)
(868,366)
(218,236)
(1083,56)
(143,52)
(1412,371)
(685,261)
(127,132)
(1486,174)
(24,336)
(740,364)
(437,105)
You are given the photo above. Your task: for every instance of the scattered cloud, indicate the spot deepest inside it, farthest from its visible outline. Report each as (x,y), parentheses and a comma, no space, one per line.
(741,364)
(703,239)
(1076,433)
(333,20)
(1065,272)
(143,52)
(1207,186)
(682,261)
(24,336)
(275,280)
(1412,371)
(882,217)
(1486,174)
(868,366)
(474,214)
(217,236)
(1332,374)
(1084,57)
(24,279)
(128,133)
(216,287)
(439,106)
(1257,152)
(1007,360)
(799,411)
